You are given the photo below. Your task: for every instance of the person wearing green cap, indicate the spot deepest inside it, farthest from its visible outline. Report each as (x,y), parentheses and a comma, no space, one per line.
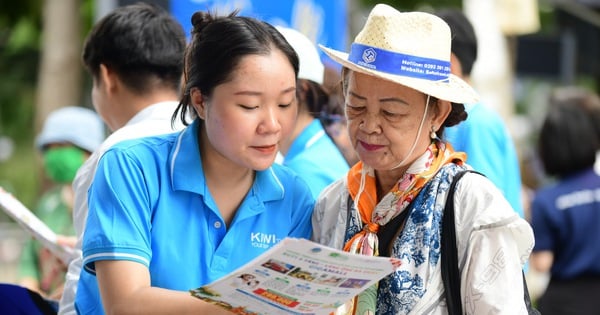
(69,135)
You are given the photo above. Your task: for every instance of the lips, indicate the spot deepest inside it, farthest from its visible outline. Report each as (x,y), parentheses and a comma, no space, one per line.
(370,147)
(267,149)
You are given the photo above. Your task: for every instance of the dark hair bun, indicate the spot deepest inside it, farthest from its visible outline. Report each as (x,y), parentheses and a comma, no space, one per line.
(200,20)
(457,114)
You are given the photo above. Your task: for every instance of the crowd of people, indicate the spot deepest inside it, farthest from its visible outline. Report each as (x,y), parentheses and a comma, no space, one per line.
(234,133)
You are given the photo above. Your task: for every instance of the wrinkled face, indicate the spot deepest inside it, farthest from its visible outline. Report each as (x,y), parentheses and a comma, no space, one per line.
(246,117)
(383,121)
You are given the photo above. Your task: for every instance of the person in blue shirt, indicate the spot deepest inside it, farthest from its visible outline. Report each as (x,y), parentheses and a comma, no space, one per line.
(310,151)
(483,136)
(172,213)
(566,211)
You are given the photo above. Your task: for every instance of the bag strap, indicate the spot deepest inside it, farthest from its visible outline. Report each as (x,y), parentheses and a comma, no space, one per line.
(449,252)
(530,309)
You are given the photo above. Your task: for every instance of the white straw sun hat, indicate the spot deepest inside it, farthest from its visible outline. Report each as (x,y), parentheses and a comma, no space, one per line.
(408,48)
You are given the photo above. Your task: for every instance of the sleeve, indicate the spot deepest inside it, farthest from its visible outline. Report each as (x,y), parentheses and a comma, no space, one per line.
(495,243)
(80,186)
(317,221)
(119,219)
(329,218)
(542,224)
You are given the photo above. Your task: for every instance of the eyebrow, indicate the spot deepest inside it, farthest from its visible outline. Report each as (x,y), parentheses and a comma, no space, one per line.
(357,96)
(383,100)
(393,99)
(256,93)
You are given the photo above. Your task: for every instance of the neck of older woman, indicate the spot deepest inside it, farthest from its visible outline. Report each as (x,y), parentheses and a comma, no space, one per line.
(386,179)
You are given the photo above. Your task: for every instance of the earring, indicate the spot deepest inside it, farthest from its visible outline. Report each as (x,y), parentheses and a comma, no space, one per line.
(433,135)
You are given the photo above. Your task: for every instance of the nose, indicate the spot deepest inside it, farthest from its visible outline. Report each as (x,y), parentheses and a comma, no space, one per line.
(269,122)
(370,123)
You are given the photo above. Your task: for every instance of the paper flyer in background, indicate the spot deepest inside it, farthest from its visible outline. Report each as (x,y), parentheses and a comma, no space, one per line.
(32,224)
(296,276)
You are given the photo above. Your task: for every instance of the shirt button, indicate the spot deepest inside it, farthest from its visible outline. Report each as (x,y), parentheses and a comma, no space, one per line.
(217,224)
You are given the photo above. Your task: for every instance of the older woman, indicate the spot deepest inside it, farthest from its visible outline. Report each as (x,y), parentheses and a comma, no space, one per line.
(399,97)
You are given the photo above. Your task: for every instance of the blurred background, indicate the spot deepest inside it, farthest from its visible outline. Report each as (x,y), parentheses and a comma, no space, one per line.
(527,47)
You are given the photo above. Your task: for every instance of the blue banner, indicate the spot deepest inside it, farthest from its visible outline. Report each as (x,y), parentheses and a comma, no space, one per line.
(324,22)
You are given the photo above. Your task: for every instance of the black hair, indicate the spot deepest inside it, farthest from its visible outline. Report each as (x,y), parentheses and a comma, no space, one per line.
(142,43)
(579,96)
(315,99)
(464,40)
(568,139)
(217,46)
(333,111)
(314,96)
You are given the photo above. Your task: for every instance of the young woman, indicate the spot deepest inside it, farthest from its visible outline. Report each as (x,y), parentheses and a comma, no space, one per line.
(172,213)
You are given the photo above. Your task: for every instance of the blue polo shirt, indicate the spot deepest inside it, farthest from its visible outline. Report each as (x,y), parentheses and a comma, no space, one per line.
(316,158)
(565,218)
(149,203)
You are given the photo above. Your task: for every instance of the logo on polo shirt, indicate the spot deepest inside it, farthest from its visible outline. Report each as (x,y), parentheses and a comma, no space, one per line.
(263,240)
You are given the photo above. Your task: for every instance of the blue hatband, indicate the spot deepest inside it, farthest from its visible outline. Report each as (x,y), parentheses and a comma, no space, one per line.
(399,64)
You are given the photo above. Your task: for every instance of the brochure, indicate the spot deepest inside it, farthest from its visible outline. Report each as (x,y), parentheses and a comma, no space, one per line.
(296,276)
(32,224)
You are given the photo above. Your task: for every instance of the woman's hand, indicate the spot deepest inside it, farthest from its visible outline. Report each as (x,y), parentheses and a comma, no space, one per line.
(125,288)
(64,240)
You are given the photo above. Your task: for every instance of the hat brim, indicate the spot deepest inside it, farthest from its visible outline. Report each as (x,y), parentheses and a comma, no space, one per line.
(454,89)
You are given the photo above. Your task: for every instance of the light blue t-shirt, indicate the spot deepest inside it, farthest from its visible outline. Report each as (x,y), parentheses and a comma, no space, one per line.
(316,158)
(149,203)
(490,150)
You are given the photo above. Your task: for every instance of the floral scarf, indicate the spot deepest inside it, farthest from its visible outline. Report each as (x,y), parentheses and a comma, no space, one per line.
(363,190)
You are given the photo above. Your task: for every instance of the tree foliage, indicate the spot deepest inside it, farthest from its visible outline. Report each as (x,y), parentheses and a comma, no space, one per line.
(19,51)
(20,46)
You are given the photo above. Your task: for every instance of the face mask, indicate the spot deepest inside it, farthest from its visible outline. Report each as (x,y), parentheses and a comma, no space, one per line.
(62,163)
